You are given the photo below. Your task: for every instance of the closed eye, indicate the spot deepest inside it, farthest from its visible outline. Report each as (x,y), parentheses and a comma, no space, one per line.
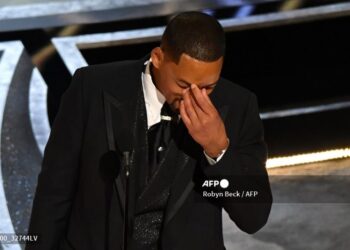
(182,85)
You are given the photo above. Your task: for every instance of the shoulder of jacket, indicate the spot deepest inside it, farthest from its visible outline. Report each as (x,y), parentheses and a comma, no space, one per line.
(116,67)
(118,75)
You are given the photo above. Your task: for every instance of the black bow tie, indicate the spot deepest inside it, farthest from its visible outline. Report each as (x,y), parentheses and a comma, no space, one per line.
(159,136)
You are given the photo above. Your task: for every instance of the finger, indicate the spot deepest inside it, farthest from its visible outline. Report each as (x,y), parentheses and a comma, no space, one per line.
(184,115)
(200,113)
(189,107)
(200,98)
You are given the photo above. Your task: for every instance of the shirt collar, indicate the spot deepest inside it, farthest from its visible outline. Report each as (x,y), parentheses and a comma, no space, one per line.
(154,99)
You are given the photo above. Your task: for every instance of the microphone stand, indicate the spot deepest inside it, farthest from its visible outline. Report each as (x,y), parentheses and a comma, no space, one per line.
(126,200)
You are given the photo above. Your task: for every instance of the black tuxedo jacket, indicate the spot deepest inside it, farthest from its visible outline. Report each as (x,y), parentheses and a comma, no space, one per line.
(76,206)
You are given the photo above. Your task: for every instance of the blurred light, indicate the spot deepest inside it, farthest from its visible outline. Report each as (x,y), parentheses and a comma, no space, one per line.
(43,55)
(209,12)
(244,11)
(305,110)
(291,5)
(308,158)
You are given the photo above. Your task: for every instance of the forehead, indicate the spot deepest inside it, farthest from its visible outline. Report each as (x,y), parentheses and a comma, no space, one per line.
(195,71)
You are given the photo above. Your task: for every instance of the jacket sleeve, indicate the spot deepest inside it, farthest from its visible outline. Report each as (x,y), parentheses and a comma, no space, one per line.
(243,165)
(58,178)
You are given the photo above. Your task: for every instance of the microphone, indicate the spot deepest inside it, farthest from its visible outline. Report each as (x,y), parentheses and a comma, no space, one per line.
(126,163)
(111,164)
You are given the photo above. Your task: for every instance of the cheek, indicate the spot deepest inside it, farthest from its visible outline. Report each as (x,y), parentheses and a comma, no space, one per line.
(176,96)
(171,93)
(176,91)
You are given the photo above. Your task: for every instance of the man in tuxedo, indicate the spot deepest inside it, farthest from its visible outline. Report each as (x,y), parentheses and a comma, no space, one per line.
(182,126)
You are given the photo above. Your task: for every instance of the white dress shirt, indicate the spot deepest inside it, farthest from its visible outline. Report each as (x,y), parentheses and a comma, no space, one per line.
(154,101)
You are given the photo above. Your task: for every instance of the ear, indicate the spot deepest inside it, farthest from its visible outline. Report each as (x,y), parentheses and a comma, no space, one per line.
(157,56)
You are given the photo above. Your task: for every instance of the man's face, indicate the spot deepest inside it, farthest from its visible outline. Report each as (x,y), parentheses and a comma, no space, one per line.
(172,79)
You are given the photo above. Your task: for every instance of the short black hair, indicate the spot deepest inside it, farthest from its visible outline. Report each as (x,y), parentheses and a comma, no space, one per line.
(196,34)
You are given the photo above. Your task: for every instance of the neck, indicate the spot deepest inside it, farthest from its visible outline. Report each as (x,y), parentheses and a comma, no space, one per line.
(154,80)
(153,72)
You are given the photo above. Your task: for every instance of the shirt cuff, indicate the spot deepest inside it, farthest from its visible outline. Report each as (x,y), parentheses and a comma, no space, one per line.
(212,161)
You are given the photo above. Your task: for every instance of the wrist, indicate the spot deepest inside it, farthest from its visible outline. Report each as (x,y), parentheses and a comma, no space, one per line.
(216,150)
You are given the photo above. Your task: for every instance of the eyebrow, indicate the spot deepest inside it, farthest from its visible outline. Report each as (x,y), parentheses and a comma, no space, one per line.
(189,84)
